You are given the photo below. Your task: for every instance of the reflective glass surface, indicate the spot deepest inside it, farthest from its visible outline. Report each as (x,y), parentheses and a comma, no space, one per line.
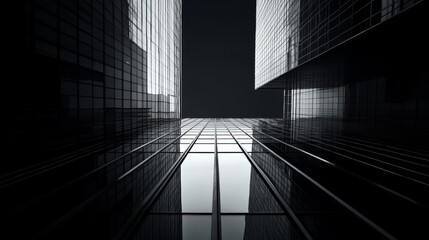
(203,148)
(196,227)
(332,185)
(96,146)
(228,148)
(196,174)
(164,226)
(234,174)
(258,227)
(241,188)
(290,33)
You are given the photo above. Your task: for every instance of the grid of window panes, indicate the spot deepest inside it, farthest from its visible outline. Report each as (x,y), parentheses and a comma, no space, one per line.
(276,46)
(245,199)
(316,103)
(290,33)
(328,97)
(116,65)
(155,26)
(253,174)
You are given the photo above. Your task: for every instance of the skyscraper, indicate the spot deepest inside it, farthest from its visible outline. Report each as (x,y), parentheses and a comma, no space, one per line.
(351,78)
(92,79)
(93,70)
(353,66)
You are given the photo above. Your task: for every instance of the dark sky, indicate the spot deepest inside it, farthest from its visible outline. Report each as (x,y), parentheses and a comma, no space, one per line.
(218,61)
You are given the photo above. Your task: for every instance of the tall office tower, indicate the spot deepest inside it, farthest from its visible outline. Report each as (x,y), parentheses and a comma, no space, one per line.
(94,70)
(356,89)
(90,80)
(354,64)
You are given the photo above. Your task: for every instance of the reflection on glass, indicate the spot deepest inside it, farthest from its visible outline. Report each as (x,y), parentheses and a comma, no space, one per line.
(243,137)
(206,137)
(208,132)
(233,227)
(186,140)
(234,173)
(196,174)
(184,146)
(202,148)
(313,102)
(205,133)
(225,140)
(224,136)
(228,148)
(205,141)
(258,227)
(242,190)
(245,140)
(189,136)
(222,133)
(196,227)
(160,226)
(240,135)
(248,147)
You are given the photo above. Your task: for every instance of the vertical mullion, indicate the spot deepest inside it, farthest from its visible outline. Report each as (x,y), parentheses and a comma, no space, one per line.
(271,186)
(216,224)
(141,213)
(317,184)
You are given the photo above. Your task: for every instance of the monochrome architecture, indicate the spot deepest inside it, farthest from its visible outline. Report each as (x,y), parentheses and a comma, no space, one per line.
(96,146)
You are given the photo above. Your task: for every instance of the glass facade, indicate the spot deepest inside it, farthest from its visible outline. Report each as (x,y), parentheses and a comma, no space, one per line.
(224,178)
(277,39)
(355,95)
(356,99)
(349,66)
(95,90)
(289,33)
(96,147)
(94,71)
(155,26)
